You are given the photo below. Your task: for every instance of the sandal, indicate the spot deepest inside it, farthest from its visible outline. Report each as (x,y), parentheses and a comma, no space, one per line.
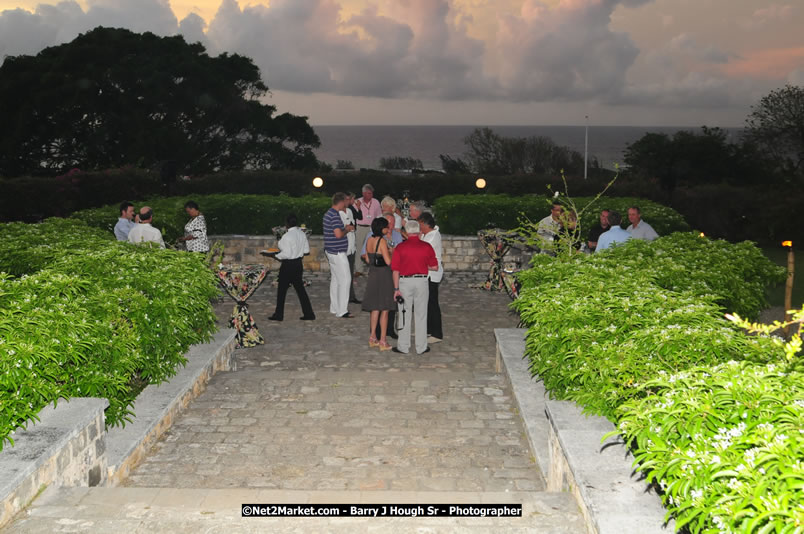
(373,342)
(384,346)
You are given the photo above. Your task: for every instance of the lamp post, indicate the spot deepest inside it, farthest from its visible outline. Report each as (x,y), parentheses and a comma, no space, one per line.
(586,148)
(480,183)
(318,182)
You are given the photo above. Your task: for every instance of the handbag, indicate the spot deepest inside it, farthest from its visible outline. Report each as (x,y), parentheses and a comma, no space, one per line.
(379,261)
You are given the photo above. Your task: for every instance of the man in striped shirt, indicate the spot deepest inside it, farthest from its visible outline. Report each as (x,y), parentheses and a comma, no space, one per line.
(335,247)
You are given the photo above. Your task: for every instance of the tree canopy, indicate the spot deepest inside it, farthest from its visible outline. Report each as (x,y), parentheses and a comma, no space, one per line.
(776,124)
(113,97)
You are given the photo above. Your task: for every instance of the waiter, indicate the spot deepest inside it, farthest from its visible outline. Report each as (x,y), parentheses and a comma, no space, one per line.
(369,209)
(292,247)
(411,262)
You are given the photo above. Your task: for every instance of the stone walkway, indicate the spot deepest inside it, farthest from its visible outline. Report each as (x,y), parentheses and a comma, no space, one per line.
(316,409)
(316,416)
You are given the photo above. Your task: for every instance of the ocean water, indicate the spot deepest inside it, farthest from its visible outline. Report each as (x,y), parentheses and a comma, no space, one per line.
(365,145)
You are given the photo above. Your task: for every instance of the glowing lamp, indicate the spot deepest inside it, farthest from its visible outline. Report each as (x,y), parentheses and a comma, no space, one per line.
(318,181)
(788,244)
(702,235)
(480,183)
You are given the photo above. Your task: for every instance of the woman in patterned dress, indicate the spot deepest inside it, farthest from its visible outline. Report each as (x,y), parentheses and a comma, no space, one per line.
(195,231)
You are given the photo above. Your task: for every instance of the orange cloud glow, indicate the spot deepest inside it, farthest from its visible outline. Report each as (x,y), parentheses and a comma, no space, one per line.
(768,64)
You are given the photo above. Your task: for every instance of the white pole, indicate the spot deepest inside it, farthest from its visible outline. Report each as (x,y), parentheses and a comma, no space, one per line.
(586,148)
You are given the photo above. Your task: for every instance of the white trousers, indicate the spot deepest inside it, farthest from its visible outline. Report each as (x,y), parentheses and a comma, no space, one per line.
(339,282)
(416,292)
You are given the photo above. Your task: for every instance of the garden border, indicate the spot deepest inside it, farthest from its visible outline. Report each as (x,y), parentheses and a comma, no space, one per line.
(69,447)
(567,445)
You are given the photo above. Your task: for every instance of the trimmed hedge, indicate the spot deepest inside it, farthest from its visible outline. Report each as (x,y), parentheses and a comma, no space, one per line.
(84,315)
(225,214)
(455,214)
(466,214)
(637,334)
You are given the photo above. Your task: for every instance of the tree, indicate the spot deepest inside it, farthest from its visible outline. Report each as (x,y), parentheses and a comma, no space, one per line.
(490,153)
(776,124)
(344,164)
(113,97)
(400,162)
(453,166)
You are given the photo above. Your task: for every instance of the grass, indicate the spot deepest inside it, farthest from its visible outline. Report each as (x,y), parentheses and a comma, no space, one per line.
(775,295)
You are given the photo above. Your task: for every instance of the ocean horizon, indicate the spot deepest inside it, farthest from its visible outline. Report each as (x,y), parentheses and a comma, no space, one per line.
(365,145)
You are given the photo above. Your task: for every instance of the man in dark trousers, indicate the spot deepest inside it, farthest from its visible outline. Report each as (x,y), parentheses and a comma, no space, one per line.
(292,247)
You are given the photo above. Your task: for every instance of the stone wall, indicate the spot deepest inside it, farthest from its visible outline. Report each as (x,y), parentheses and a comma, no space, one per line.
(66,447)
(461,253)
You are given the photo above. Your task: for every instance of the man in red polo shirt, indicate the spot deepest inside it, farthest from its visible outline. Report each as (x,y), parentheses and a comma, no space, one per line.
(410,263)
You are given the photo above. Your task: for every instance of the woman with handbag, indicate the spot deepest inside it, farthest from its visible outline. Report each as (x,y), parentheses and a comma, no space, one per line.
(379,297)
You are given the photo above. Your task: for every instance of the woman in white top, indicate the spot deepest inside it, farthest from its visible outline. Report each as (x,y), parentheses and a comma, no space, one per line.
(195,231)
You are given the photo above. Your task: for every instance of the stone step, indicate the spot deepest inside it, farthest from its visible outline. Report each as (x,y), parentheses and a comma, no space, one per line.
(155,510)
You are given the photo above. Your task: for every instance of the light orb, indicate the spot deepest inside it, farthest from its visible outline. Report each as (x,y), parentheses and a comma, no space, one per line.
(318,181)
(480,183)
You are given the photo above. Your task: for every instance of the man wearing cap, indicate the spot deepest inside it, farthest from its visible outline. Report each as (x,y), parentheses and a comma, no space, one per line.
(411,262)
(369,209)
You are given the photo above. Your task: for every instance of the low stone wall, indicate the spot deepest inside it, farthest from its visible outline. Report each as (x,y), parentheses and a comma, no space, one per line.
(70,446)
(461,253)
(66,447)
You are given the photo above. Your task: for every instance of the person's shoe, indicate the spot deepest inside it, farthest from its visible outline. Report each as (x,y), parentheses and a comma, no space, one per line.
(373,342)
(433,339)
(305,318)
(347,315)
(274,318)
(425,351)
(397,351)
(384,346)
(355,301)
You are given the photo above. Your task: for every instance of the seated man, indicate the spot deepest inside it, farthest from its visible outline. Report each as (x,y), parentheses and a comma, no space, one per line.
(126,221)
(638,228)
(143,232)
(613,235)
(597,230)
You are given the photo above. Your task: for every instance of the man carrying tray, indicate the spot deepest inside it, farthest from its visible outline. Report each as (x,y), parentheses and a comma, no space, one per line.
(292,247)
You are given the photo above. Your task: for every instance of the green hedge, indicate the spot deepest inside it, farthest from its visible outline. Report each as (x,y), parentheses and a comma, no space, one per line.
(84,315)
(466,214)
(637,334)
(455,214)
(225,213)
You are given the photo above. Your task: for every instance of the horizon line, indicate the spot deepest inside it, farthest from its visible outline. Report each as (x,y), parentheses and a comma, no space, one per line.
(535,125)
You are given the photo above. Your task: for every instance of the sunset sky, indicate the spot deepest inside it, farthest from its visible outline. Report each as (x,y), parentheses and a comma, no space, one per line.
(548,62)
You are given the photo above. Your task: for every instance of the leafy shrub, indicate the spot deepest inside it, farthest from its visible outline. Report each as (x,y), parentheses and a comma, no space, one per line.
(599,329)
(466,214)
(225,214)
(713,415)
(725,444)
(84,315)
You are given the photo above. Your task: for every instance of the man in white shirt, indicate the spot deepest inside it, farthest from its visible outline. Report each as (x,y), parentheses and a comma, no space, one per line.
(549,227)
(143,232)
(126,221)
(638,228)
(292,247)
(348,219)
(431,234)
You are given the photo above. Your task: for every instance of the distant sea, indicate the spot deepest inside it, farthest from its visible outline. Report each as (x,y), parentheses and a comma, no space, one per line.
(365,145)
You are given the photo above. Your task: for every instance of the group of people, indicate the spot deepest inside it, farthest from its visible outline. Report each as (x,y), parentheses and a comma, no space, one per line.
(603,235)
(403,258)
(137,228)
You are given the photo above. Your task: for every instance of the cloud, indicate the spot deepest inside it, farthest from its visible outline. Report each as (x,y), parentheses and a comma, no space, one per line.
(707,53)
(562,50)
(796,77)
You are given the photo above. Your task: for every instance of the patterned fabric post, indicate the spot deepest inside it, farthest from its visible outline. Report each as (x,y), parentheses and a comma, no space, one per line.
(496,242)
(240,282)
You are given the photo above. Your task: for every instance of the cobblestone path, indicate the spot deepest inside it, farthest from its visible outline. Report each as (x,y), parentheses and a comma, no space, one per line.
(316,409)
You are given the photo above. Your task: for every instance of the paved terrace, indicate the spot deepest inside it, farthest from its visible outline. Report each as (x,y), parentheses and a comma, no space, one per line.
(315,415)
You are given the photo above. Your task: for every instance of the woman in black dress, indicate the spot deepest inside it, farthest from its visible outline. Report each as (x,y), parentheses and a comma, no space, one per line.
(379,296)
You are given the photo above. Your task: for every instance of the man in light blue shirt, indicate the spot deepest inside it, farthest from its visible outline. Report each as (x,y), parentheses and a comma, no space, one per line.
(126,221)
(615,234)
